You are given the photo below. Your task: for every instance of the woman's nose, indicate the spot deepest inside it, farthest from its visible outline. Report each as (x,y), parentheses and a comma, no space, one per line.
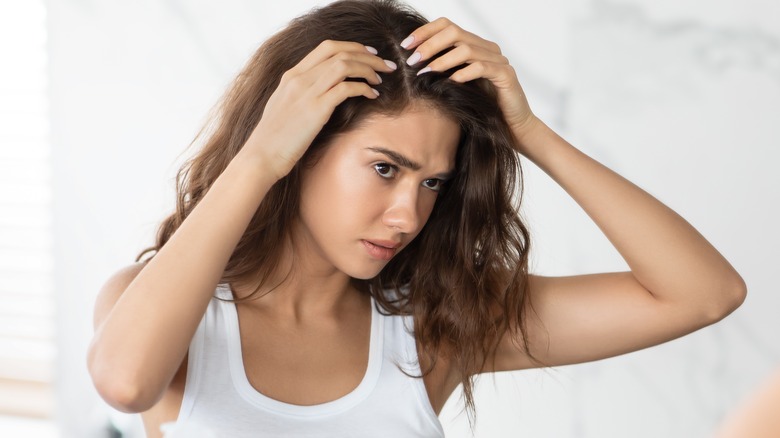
(401,213)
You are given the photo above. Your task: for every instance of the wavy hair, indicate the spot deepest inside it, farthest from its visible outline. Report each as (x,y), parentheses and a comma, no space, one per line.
(464,277)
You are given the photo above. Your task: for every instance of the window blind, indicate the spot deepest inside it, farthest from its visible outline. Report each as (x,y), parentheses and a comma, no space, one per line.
(27,347)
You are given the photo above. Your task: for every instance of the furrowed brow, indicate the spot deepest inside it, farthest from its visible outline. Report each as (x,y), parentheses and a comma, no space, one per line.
(398,158)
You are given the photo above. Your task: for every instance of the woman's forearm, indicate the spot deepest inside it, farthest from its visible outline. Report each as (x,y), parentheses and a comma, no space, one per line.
(141,343)
(665,253)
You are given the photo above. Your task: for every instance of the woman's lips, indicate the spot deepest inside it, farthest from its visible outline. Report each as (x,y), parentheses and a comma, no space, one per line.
(378,251)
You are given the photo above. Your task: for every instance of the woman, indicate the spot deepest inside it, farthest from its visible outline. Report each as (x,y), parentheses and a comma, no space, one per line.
(365,160)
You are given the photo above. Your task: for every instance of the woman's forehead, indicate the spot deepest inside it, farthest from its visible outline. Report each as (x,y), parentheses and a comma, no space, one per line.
(425,132)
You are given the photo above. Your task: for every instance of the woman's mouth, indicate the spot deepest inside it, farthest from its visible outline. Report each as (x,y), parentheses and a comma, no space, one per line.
(378,251)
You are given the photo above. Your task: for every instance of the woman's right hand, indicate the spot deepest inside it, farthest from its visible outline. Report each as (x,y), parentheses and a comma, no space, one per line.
(306,97)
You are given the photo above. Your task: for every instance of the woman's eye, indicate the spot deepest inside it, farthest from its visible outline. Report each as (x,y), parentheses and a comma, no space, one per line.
(385,170)
(433,184)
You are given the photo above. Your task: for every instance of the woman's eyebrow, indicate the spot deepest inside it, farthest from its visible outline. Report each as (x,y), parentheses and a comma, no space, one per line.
(398,158)
(404,161)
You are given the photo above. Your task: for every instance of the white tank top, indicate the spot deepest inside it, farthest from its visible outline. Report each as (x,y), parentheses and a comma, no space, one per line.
(219,401)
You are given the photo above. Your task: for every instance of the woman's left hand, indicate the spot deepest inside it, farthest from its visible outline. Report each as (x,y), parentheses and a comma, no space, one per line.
(484,60)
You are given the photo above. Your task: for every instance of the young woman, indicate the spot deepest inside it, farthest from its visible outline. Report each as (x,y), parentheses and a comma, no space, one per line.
(351,224)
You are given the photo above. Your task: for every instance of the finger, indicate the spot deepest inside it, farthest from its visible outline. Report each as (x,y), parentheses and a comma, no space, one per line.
(345,65)
(344,90)
(424,32)
(464,54)
(441,34)
(377,64)
(327,49)
(333,71)
(447,38)
(496,73)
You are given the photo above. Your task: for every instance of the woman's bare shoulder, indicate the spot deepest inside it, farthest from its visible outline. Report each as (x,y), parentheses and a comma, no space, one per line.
(112,289)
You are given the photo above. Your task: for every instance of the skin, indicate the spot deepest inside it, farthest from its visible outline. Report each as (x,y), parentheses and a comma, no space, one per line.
(677,282)
(756,416)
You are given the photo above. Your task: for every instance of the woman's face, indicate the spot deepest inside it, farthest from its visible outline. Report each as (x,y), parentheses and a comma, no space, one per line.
(373,189)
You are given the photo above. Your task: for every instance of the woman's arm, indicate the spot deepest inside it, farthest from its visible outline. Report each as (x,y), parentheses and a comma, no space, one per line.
(667,256)
(143,335)
(678,281)
(143,328)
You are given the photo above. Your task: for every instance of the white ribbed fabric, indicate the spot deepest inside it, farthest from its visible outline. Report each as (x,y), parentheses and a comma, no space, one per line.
(219,401)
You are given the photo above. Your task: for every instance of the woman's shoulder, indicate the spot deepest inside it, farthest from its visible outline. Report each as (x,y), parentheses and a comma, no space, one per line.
(113,288)
(121,278)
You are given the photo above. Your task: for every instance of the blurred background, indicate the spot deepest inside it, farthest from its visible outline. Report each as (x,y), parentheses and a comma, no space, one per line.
(99,100)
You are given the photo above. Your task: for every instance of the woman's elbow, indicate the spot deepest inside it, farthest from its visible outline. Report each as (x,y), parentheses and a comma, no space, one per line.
(122,397)
(739,292)
(732,294)
(120,392)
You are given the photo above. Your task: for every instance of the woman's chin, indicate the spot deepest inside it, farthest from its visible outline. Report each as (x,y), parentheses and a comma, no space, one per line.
(364,272)
(364,275)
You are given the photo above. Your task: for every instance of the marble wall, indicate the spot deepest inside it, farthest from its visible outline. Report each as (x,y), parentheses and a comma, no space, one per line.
(679,97)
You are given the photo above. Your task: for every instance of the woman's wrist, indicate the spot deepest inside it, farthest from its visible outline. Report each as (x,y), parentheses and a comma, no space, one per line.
(528,135)
(256,166)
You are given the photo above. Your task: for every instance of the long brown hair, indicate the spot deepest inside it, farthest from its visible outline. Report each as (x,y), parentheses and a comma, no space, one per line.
(470,258)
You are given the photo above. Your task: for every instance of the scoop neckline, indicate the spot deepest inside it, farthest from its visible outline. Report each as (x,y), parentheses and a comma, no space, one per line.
(255,397)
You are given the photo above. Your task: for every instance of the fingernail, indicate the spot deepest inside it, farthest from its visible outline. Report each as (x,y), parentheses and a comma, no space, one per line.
(378,78)
(375,91)
(414,58)
(408,40)
(371,49)
(425,70)
(391,64)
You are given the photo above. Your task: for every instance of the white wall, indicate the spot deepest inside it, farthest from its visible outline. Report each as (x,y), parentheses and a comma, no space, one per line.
(679,97)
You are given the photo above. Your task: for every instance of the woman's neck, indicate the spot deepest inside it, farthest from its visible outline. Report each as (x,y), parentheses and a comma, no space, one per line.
(301,286)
